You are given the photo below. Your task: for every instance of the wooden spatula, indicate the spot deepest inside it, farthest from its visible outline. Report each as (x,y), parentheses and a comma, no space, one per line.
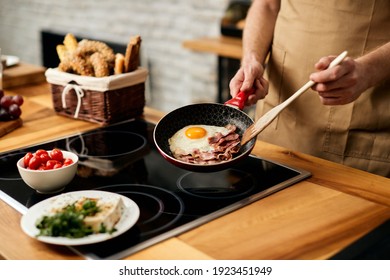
(268,117)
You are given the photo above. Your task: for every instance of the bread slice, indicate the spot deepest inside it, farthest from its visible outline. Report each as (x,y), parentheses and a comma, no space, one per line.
(132,56)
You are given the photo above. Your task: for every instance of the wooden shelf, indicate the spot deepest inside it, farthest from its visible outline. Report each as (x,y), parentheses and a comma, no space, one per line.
(229,47)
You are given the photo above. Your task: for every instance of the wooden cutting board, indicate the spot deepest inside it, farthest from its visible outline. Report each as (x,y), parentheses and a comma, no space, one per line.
(23,74)
(8,126)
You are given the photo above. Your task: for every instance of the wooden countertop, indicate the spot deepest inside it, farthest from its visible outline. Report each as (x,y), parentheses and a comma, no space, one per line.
(313,219)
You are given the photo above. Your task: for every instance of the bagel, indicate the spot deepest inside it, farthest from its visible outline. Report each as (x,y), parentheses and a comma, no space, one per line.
(76,65)
(99,64)
(95,58)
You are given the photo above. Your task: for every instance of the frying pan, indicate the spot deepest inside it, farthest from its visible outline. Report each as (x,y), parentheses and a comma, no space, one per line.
(207,114)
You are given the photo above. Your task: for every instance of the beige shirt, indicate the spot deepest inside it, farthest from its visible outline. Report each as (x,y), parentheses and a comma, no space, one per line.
(356,134)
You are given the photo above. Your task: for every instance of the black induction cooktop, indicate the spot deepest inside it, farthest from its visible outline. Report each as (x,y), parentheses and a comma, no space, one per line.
(122,158)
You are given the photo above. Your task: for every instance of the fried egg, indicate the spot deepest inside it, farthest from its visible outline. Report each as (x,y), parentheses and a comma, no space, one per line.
(191,137)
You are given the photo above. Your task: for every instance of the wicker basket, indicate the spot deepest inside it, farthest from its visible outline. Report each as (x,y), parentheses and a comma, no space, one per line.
(103,100)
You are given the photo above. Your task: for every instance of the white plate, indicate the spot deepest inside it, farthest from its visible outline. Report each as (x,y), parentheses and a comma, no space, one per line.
(10,60)
(129,217)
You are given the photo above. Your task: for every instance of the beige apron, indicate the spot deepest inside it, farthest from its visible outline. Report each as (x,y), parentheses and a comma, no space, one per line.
(356,134)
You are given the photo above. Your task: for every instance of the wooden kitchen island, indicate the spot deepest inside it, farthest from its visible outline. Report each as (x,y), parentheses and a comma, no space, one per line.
(313,219)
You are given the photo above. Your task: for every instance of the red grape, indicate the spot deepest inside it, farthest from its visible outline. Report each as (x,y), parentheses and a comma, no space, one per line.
(14,111)
(10,106)
(4,115)
(18,100)
(6,101)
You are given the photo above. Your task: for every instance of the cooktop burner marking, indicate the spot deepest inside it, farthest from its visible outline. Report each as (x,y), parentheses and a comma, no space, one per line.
(8,169)
(159,202)
(104,144)
(174,216)
(217,185)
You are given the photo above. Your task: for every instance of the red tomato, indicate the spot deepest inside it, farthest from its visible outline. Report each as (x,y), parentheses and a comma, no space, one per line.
(35,162)
(57,165)
(44,157)
(42,167)
(67,161)
(27,158)
(56,154)
(44,160)
(51,163)
(41,152)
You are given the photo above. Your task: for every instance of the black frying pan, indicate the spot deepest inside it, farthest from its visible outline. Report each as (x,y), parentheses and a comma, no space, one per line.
(207,114)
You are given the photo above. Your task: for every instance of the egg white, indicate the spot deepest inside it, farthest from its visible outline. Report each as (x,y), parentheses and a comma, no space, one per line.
(179,143)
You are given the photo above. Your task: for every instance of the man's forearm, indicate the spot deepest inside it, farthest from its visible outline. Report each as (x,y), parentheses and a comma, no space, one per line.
(377,65)
(259,29)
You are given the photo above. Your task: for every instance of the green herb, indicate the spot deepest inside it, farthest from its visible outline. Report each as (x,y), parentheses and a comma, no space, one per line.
(69,222)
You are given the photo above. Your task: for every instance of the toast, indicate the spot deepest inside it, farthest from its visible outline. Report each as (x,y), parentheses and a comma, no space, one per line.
(132,56)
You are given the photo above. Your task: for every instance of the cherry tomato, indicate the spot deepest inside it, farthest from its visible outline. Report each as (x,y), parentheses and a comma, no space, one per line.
(34,162)
(58,165)
(51,163)
(44,160)
(27,158)
(56,154)
(67,162)
(44,157)
(42,167)
(41,152)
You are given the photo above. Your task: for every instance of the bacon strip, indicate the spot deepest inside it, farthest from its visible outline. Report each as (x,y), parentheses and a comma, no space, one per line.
(224,147)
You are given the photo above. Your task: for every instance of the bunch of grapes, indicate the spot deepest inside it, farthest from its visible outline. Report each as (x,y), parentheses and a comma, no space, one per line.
(10,106)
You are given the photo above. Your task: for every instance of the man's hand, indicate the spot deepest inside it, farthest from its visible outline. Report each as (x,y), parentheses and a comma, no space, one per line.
(249,76)
(341,84)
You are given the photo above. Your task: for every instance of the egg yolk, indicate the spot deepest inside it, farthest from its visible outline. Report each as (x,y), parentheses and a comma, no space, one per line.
(195,132)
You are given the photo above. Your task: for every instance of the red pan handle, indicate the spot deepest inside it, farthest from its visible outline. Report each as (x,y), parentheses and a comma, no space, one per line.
(239,100)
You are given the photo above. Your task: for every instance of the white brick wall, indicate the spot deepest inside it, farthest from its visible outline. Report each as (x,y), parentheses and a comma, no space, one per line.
(177,76)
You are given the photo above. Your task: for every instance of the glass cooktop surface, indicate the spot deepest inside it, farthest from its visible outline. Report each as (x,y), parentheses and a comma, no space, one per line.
(122,158)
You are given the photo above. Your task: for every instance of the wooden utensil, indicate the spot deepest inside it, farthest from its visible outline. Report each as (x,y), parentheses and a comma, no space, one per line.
(268,117)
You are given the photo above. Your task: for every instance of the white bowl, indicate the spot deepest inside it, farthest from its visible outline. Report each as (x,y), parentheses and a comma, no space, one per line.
(49,181)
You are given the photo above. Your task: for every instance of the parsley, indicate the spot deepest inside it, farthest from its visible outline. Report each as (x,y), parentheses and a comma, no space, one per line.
(69,222)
